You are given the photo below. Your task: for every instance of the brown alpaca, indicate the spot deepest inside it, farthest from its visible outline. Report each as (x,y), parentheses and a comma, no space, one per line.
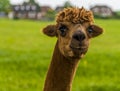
(73,29)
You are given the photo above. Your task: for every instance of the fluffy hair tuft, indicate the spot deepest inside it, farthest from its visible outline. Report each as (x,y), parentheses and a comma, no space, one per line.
(75,15)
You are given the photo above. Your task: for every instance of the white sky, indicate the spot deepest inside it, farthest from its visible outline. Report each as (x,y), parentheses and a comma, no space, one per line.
(114,4)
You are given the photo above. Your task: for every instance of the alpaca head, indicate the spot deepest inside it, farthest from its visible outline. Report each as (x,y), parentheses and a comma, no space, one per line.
(74,28)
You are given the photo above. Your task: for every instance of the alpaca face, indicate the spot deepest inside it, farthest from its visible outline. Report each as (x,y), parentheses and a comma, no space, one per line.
(73,39)
(74,29)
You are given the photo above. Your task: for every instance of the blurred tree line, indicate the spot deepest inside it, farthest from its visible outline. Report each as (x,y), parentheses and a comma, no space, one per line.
(116,15)
(4,6)
(51,13)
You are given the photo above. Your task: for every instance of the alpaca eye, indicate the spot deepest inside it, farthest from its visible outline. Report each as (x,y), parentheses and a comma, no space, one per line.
(90,30)
(62,29)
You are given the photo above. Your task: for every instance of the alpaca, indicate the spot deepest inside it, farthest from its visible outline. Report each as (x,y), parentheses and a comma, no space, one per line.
(74,28)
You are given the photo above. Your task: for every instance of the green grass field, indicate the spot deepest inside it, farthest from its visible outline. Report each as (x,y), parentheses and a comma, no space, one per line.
(25,54)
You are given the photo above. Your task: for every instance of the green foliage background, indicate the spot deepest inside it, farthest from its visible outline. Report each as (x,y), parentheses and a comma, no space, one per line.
(25,54)
(4,6)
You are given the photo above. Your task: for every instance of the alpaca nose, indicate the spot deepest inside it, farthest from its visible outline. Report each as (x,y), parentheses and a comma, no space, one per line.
(79,35)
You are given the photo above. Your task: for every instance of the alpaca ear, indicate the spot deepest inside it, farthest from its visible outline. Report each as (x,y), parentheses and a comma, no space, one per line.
(50,30)
(94,30)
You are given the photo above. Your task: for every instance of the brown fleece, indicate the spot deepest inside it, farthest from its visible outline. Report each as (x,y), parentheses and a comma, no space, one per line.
(61,72)
(75,15)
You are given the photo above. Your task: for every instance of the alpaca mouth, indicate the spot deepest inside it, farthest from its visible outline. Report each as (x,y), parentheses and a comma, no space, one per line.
(78,50)
(78,47)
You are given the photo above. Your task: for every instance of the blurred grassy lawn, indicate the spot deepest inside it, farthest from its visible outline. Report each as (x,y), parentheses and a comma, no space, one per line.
(25,54)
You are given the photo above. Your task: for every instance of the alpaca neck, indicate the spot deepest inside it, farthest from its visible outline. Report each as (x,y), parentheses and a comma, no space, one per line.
(61,72)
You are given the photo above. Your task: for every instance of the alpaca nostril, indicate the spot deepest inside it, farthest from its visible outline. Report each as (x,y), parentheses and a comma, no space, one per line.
(79,36)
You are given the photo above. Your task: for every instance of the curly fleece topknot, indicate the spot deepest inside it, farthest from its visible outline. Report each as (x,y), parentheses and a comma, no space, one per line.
(75,15)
